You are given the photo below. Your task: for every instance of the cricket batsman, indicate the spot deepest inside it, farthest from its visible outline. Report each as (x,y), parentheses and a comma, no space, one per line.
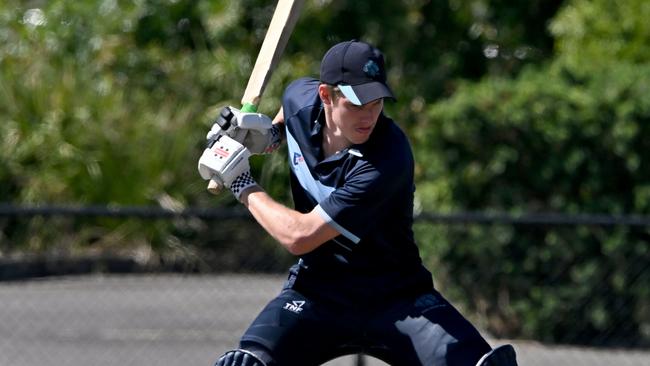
(359,285)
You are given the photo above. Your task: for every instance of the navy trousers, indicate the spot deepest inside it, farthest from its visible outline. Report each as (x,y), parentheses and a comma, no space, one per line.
(299,330)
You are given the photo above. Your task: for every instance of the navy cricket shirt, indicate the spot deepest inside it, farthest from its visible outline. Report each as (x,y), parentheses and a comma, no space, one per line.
(366,193)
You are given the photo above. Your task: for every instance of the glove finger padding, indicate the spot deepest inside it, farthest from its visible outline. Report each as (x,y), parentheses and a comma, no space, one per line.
(263,143)
(263,136)
(256,131)
(236,133)
(251,121)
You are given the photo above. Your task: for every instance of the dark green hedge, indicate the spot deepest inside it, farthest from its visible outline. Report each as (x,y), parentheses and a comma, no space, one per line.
(545,142)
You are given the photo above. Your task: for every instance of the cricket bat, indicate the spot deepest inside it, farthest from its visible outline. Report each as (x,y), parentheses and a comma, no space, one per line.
(277,35)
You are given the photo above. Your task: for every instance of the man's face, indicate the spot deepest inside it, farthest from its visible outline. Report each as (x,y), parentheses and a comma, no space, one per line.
(355,122)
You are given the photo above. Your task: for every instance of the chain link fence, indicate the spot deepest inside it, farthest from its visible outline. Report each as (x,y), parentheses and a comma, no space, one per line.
(120,310)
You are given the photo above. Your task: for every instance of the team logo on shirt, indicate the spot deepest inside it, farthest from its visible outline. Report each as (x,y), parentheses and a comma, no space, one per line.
(295,306)
(297,158)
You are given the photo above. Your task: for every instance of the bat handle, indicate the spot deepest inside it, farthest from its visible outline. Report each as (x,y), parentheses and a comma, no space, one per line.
(249,107)
(215,187)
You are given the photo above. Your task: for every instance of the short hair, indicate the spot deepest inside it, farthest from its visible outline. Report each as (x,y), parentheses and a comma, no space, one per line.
(335,91)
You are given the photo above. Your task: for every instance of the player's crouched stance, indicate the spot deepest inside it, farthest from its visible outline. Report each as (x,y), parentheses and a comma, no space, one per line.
(359,285)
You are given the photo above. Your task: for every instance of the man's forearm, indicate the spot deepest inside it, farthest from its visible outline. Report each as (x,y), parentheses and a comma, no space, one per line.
(299,233)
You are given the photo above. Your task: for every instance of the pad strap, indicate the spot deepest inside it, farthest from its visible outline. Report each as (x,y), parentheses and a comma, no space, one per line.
(500,356)
(239,357)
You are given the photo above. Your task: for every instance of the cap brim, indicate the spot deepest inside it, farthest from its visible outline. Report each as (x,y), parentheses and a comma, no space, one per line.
(366,93)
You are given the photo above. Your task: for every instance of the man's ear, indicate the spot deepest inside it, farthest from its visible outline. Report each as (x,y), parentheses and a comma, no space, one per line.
(325,94)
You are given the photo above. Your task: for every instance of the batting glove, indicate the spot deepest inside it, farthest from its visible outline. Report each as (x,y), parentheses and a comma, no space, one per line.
(256,131)
(226,161)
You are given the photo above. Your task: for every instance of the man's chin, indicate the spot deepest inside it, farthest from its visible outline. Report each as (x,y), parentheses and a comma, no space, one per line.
(360,140)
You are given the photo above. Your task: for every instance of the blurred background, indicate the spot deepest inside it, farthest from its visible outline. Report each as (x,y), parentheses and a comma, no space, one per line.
(530,122)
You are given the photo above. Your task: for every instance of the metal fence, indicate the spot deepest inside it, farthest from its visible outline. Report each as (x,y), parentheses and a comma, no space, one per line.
(98,317)
(150,212)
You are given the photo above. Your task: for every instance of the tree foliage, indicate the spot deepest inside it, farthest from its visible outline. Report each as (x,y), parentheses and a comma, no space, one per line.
(570,137)
(593,34)
(107,101)
(543,143)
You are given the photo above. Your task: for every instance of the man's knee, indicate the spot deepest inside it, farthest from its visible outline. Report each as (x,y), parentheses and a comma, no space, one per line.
(500,356)
(245,357)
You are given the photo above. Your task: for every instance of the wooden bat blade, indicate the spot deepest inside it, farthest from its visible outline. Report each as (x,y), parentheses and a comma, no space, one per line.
(284,19)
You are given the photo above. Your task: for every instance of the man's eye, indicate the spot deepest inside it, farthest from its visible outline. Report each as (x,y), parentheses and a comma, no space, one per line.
(353,106)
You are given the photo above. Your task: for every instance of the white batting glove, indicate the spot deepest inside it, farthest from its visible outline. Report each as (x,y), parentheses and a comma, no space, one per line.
(227,162)
(254,130)
(263,142)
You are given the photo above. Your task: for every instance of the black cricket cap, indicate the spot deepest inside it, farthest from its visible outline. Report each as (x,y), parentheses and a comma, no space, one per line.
(358,69)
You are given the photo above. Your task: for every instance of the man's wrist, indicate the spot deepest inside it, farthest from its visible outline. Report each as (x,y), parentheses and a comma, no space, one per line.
(248,192)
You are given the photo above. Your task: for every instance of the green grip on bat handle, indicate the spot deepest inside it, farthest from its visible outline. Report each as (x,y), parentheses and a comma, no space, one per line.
(249,108)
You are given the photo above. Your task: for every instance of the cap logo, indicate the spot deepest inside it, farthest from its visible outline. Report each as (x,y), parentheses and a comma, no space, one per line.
(371,69)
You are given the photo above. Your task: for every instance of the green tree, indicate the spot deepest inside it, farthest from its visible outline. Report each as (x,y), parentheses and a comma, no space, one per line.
(594,34)
(569,137)
(107,102)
